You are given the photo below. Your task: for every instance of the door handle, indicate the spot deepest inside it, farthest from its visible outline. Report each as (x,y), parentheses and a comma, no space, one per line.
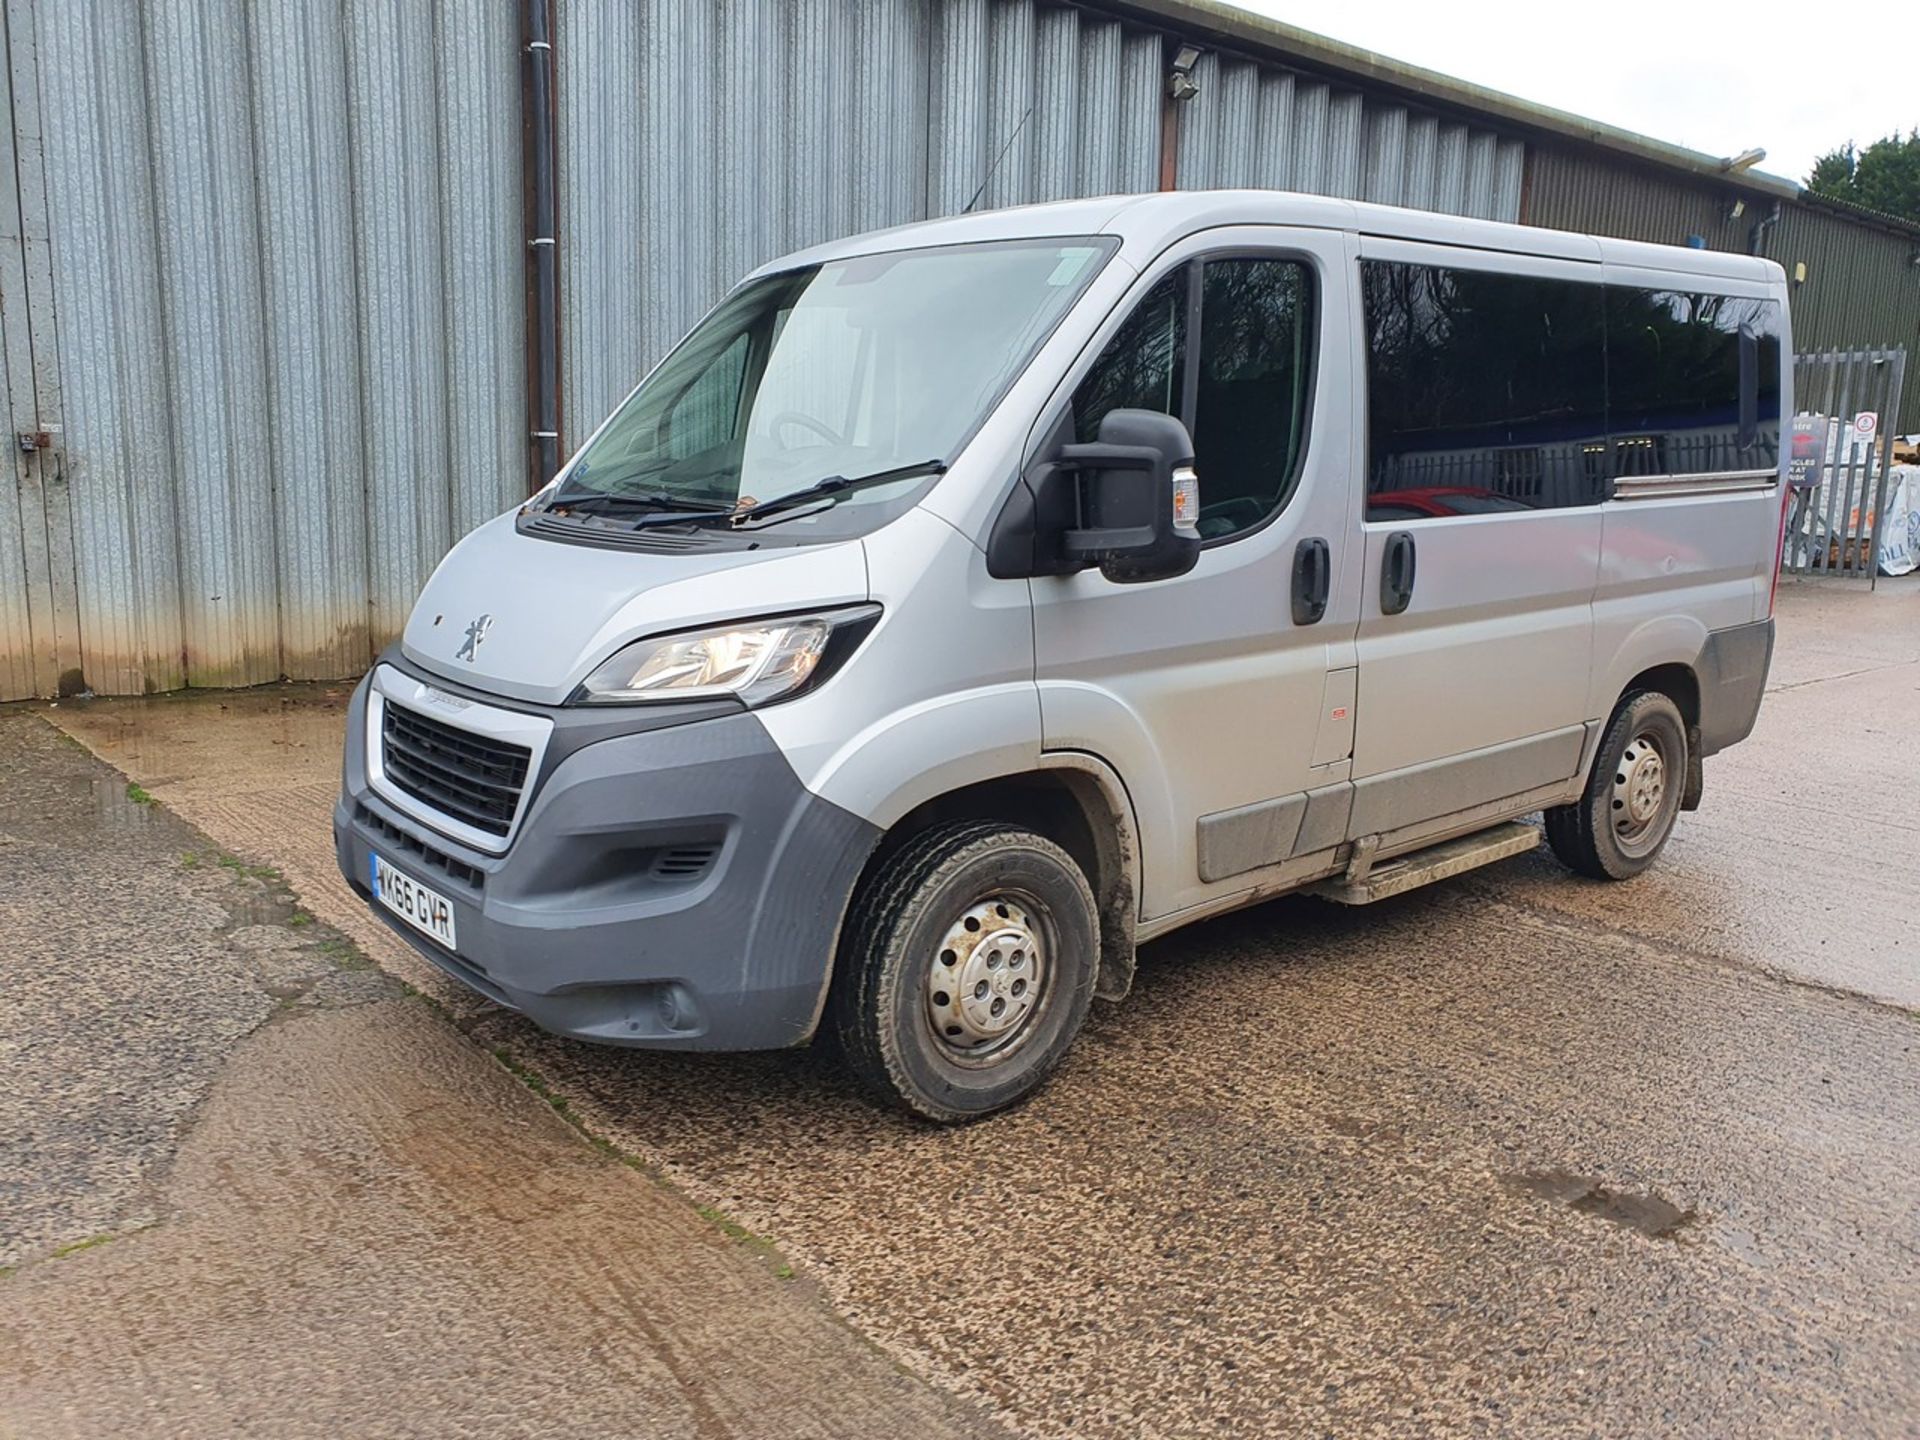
(1312,580)
(1396,574)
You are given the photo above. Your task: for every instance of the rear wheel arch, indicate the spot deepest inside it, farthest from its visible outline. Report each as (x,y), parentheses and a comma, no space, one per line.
(1627,806)
(1677,681)
(1680,683)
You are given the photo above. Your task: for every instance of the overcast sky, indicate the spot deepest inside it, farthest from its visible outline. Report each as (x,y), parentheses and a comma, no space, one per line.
(1710,75)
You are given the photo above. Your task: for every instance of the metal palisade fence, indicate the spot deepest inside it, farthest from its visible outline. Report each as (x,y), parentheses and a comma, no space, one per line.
(1835,526)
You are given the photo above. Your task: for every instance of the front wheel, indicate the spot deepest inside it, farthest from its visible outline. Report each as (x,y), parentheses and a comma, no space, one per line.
(966,971)
(1623,819)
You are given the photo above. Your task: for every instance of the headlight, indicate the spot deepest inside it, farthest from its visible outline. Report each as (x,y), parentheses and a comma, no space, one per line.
(756,662)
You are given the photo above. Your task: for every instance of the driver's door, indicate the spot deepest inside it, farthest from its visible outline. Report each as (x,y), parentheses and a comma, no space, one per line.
(1229,721)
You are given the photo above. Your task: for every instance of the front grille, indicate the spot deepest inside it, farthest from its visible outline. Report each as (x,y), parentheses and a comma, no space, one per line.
(405,841)
(473,779)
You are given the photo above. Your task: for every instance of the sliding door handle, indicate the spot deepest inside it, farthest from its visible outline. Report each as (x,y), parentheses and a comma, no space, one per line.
(1396,573)
(1312,580)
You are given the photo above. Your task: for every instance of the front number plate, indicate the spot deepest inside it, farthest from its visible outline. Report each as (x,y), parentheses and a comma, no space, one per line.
(428,911)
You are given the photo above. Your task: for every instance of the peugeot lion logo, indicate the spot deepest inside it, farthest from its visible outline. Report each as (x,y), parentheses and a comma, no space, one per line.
(476,632)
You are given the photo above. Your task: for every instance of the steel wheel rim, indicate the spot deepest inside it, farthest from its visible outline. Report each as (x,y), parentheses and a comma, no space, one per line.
(986,984)
(1642,792)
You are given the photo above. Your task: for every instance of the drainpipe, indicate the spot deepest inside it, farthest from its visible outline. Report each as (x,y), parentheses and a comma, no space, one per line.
(1181,87)
(1169,143)
(542,220)
(1757,236)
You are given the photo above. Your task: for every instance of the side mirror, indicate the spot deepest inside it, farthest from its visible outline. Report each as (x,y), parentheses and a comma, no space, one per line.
(1139,500)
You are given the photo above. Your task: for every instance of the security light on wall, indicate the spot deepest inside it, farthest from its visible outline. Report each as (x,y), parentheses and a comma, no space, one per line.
(1745,160)
(1180,83)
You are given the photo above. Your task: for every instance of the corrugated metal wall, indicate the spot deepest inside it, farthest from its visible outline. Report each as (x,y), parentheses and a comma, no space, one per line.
(700,138)
(284,246)
(272,294)
(39,615)
(1261,125)
(1862,286)
(823,118)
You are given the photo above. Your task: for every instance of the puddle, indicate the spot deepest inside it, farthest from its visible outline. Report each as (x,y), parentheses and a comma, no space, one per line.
(246,738)
(1352,1127)
(250,908)
(107,804)
(1650,1214)
(1743,1243)
(49,806)
(267,938)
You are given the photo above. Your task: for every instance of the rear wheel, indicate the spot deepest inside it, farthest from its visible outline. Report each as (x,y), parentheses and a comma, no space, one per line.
(1623,819)
(966,971)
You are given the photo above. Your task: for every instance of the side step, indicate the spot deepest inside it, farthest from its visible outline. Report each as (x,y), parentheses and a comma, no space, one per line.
(1436,862)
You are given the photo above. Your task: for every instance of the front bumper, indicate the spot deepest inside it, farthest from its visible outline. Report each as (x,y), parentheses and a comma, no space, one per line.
(602,920)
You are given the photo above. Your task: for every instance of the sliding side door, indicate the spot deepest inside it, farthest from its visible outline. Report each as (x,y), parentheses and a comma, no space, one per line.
(1485,470)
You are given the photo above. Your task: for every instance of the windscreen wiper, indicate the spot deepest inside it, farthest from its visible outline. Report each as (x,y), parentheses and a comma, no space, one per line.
(834,485)
(656,509)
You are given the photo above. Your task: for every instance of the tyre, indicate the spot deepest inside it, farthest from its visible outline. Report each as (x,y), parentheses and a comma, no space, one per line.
(966,970)
(1622,820)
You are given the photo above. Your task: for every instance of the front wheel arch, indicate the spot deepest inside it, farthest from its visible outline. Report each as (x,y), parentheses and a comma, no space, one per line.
(896,1011)
(1077,802)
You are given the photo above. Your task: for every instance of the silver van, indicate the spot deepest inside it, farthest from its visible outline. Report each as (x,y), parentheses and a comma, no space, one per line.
(961,605)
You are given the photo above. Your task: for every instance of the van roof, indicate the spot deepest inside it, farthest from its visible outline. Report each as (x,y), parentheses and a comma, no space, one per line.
(1146,224)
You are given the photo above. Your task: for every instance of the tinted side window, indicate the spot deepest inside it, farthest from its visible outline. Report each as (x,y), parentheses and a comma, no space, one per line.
(1144,364)
(1695,382)
(1485,392)
(1243,392)
(1251,401)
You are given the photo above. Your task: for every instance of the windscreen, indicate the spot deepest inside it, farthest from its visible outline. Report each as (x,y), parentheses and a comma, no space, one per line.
(852,368)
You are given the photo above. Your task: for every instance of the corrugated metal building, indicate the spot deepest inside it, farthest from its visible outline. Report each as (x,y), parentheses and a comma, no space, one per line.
(1862,282)
(263,276)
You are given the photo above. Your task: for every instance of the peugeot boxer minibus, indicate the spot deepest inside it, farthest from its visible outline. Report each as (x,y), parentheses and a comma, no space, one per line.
(959,606)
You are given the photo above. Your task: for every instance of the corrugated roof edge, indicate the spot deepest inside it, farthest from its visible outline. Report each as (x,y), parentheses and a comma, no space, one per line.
(1230,26)
(1853,210)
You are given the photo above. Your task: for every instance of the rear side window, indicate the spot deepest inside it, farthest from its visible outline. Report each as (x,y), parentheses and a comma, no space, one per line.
(1695,382)
(1489,392)
(1243,391)
(1485,392)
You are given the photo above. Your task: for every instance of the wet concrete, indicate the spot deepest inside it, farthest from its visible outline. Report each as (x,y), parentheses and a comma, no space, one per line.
(106,1052)
(1517,1154)
(250,1186)
(1802,859)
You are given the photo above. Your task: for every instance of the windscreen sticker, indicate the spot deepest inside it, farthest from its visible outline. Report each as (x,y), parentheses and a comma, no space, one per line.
(1073,259)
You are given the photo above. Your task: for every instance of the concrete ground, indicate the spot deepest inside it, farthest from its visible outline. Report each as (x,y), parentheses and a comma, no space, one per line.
(1517,1154)
(250,1186)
